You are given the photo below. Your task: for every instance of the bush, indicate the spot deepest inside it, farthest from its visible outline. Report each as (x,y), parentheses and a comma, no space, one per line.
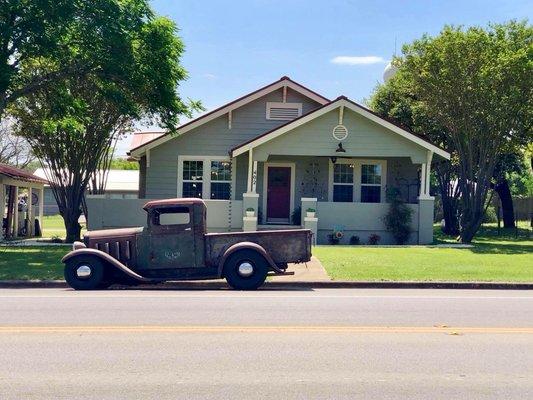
(332,239)
(355,240)
(296,216)
(490,215)
(398,218)
(373,239)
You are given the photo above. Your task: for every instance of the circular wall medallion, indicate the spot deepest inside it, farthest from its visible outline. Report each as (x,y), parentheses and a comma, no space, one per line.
(340,132)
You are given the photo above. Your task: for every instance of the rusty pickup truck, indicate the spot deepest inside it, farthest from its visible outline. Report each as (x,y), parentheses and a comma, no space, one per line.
(175,245)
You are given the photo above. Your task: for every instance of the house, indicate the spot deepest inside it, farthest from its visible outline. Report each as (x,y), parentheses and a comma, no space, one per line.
(120,184)
(277,151)
(21,203)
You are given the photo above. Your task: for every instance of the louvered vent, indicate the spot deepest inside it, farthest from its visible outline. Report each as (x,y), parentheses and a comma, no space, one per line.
(283,111)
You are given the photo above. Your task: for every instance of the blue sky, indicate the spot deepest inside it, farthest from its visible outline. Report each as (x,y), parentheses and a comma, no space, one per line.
(234,47)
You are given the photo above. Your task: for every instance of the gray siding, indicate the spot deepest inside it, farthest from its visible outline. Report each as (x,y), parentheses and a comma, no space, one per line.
(213,139)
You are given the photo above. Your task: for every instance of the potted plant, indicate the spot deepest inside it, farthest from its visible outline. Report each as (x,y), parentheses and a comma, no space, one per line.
(250,212)
(310,213)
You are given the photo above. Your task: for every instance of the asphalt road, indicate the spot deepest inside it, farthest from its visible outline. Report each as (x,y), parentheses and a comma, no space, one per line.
(312,344)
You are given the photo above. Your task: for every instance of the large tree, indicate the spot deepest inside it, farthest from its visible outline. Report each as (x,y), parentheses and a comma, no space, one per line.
(72,122)
(477,84)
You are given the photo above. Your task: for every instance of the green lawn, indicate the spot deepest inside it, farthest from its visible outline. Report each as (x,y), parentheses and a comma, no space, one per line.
(503,258)
(53,226)
(32,262)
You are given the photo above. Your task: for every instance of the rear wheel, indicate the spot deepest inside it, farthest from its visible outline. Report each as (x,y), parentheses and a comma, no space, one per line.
(85,272)
(245,270)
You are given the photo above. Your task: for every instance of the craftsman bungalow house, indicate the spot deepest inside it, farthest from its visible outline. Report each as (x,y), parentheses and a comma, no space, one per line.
(277,152)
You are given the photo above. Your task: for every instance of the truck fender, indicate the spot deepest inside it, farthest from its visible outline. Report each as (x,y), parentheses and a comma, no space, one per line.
(107,258)
(249,246)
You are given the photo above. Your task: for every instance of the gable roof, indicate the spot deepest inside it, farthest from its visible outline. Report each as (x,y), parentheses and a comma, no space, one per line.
(20,174)
(241,101)
(332,105)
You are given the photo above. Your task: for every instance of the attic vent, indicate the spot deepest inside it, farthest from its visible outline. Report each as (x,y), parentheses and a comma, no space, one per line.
(283,111)
(340,132)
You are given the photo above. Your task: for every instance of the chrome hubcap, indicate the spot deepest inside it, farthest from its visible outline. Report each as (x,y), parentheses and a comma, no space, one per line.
(245,269)
(83,271)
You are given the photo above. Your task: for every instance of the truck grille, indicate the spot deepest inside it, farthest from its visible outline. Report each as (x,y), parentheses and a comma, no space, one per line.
(122,250)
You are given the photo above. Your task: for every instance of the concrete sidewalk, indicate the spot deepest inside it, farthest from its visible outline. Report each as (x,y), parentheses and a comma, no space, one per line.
(312,271)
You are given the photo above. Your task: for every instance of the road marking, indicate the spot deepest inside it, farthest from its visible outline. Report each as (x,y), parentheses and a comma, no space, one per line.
(265,329)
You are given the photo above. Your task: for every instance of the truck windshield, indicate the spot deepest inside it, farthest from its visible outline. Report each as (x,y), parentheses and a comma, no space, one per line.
(171,216)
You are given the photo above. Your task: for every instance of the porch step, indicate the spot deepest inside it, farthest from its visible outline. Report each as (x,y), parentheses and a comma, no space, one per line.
(274,227)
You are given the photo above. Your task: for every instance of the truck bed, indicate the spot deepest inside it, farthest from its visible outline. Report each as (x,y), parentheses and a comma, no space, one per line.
(284,246)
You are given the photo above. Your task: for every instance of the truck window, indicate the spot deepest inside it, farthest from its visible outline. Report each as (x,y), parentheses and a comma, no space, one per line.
(171,216)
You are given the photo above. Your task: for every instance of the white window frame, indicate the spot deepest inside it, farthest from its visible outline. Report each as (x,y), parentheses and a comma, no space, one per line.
(274,104)
(357,177)
(333,183)
(206,175)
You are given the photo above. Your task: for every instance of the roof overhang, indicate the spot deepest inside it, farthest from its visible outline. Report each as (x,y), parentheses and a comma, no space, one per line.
(195,123)
(344,102)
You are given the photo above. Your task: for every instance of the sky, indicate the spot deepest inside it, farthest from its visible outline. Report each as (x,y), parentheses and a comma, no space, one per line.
(335,47)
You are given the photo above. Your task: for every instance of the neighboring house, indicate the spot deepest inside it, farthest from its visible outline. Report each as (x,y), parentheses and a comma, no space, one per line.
(121,184)
(279,150)
(21,203)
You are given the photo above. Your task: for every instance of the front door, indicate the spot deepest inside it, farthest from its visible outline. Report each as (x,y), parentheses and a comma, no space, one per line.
(279,194)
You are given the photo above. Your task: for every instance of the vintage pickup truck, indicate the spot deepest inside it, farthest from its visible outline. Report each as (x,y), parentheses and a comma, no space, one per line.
(175,245)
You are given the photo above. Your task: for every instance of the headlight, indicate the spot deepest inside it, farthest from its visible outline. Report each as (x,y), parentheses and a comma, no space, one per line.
(78,245)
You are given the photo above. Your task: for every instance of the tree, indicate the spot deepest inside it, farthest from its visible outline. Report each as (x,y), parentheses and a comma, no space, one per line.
(72,123)
(398,218)
(477,84)
(395,99)
(14,150)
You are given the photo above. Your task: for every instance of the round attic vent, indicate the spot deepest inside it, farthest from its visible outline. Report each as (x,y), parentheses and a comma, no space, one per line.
(340,132)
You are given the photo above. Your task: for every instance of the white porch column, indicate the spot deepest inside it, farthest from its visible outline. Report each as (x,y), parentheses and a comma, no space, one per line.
(252,173)
(425,177)
(422,181)
(41,208)
(31,213)
(2,208)
(16,213)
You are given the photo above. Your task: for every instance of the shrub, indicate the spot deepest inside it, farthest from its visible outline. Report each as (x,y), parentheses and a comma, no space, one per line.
(296,216)
(310,210)
(354,240)
(373,239)
(398,218)
(250,209)
(490,215)
(332,239)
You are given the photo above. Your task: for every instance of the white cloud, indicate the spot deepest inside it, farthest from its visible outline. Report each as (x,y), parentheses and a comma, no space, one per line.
(358,60)
(210,76)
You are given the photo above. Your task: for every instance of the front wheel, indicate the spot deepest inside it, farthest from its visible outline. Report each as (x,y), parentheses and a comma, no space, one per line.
(245,270)
(85,272)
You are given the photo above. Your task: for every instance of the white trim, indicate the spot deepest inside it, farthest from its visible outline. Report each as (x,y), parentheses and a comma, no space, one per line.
(225,109)
(335,104)
(309,199)
(292,166)
(206,175)
(357,163)
(277,104)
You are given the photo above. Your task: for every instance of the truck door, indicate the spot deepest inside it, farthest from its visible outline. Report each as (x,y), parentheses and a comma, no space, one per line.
(172,238)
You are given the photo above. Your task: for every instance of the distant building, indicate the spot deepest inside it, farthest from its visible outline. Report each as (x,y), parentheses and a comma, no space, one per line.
(121,184)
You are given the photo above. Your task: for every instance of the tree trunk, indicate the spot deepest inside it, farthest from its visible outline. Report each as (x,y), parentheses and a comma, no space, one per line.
(502,188)
(451,221)
(72,226)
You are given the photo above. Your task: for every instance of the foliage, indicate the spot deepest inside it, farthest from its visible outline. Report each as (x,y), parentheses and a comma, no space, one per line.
(14,150)
(250,209)
(490,215)
(130,69)
(398,217)
(478,84)
(355,240)
(311,210)
(374,239)
(296,216)
(124,164)
(333,239)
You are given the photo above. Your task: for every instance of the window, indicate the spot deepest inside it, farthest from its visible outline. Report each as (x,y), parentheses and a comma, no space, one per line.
(220,180)
(193,177)
(283,111)
(355,180)
(370,183)
(171,216)
(204,177)
(343,182)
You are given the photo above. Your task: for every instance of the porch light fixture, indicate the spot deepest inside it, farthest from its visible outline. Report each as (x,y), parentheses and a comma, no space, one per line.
(340,149)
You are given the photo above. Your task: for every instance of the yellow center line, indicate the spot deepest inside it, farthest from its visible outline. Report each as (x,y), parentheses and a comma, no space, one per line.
(263,329)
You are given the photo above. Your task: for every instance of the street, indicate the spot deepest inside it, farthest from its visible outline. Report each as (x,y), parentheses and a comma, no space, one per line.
(299,344)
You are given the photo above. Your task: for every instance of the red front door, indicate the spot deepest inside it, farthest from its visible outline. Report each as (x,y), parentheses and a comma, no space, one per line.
(278,194)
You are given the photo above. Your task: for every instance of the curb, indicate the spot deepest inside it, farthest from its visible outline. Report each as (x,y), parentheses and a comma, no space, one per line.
(295,285)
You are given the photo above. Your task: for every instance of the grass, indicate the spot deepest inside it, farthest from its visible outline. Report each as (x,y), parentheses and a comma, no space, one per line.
(494,258)
(53,226)
(32,262)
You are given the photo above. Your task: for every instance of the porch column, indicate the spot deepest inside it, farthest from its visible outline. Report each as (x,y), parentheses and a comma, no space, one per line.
(16,212)
(252,173)
(425,204)
(310,223)
(2,208)
(41,209)
(31,213)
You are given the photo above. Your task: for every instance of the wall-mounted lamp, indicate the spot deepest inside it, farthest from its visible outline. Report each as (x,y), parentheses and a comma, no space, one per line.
(340,149)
